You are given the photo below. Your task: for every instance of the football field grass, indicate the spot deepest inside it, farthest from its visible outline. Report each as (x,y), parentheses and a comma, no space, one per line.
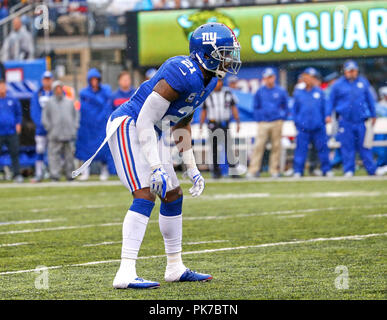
(264,239)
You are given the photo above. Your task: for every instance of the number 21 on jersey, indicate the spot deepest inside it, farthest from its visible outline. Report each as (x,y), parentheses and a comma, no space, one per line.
(189,65)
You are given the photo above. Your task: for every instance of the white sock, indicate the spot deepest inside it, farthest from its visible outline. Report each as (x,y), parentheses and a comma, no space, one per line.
(128,268)
(171,229)
(133,231)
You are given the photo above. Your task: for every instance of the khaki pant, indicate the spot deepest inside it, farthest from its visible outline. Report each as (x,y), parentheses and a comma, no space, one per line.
(69,21)
(267,131)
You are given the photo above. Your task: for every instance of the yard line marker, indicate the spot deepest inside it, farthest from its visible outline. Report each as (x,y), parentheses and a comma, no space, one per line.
(263,245)
(7,223)
(13,244)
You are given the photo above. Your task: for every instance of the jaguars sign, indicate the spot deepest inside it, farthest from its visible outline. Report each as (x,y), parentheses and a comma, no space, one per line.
(271,32)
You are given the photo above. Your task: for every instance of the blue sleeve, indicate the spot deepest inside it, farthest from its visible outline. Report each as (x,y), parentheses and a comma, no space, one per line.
(178,76)
(257,106)
(257,100)
(35,109)
(370,100)
(296,105)
(324,105)
(331,101)
(18,112)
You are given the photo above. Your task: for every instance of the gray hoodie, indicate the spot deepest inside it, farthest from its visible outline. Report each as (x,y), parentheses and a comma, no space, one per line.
(60,119)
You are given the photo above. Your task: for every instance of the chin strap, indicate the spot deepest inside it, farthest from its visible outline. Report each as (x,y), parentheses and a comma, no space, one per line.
(218,73)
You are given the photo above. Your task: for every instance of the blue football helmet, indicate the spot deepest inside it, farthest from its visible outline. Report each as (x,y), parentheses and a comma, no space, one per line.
(215,47)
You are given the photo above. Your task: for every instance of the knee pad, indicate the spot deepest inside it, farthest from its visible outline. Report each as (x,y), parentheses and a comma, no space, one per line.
(173,208)
(142,206)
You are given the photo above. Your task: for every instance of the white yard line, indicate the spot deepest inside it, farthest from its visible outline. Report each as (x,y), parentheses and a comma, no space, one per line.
(13,244)
(226,196)
(291,216)
(344,194)
(7,223)
(101,243)
(203,242)
(208,180)
(118,242)
(231,216)
(38,210)
(377,215)
(263,245)
(62,228)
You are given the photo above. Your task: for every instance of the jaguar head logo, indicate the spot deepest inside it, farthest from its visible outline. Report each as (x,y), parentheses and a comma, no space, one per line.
(189,22)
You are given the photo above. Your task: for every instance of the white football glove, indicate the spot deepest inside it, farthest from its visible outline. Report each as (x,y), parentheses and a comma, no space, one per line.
(160,182)
(197,180)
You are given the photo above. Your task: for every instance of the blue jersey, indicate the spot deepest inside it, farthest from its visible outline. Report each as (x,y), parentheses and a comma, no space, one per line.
(352,100)
(270,104)
(10,115)
(309,109)
(184,75)
(120,96)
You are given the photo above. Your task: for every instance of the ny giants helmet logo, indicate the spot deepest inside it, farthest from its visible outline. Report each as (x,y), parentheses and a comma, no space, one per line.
(209,38)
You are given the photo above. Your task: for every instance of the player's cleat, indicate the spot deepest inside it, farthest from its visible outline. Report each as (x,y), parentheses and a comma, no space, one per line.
(190,275)
(137,283)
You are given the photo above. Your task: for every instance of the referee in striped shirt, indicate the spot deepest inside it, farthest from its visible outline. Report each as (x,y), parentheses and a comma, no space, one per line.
(218,109)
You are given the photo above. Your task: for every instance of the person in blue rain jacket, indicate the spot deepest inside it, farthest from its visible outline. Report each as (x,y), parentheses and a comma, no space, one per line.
(353,101)
(95,109)
(309,116)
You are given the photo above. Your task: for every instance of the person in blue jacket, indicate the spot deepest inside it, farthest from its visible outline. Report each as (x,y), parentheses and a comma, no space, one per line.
(10,128)
(38,102)
(354,104)
(270,110)
(309,116)
(125,90)
(95,109)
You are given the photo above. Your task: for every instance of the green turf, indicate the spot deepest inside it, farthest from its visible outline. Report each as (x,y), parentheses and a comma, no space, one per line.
(272,212)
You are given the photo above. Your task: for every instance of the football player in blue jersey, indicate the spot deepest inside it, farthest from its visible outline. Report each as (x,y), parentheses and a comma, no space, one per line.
(166,101)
